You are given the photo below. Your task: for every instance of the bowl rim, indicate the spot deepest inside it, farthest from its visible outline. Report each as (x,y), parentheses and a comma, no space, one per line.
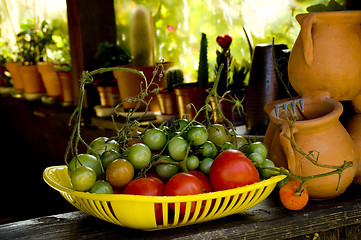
(48,172)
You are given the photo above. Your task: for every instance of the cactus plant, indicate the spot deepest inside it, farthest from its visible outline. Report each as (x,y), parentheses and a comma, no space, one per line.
(141,37)
(174,77)
(203,74)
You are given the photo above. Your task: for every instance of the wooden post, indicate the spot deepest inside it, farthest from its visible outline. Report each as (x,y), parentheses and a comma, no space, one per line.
(90,22)
(353,4)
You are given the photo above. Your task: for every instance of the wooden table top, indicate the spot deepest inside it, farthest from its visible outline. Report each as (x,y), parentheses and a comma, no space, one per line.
(338,218)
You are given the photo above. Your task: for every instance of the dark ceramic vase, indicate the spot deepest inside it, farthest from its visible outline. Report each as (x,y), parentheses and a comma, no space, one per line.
(265,85)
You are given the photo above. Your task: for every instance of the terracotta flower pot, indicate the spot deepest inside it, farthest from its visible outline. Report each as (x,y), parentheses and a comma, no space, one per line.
(167,103)
(326,56)
(32,79)
(18,83)
(197,96)
(50,79)
(66,84)
(109,95)
(321,132)
(129,85)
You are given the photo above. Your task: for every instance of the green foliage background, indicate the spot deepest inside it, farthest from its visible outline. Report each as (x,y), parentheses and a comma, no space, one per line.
(178,25)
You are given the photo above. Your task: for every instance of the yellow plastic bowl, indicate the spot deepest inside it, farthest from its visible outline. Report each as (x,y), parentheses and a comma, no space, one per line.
(138,212)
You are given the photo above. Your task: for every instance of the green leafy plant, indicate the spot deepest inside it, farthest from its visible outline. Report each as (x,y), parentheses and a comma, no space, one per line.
(34,42)
(27,42)
(6,52)
(46,43)
(62,57)
(331,6)
(109,55)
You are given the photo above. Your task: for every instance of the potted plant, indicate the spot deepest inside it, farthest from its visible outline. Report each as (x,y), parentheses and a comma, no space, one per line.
(231,88)
(195,93)
(11,62)
(5,56)
(108,55)
(27,42)
(62,66)
(142,52)
(166,96)
(45,65)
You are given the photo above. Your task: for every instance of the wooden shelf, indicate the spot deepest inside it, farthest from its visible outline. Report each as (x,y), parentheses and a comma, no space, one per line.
(339,218)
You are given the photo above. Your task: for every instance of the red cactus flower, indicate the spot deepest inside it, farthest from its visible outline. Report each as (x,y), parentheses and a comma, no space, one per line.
(224,41)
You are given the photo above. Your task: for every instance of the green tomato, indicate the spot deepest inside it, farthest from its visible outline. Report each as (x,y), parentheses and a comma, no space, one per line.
(101,187)
(226,146)
(155,139)
(258,147)
(87,160)
(197,135)
(242,142)
(179,125)
(83,178)
(166,170)
(256,158)
(101,144)
(205,165)
(177,148)
(267,173)
(108,157)
(218,134)
(192,162)
(139,155)
(209,150)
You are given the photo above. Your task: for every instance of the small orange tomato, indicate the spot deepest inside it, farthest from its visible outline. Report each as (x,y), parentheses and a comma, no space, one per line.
(290,198)
(119,173)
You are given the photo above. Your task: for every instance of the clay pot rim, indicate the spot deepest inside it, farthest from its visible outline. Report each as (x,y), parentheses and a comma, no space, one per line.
(340,15)
(333,115)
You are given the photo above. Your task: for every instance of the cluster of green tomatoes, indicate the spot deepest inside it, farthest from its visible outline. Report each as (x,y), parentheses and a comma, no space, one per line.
(110,164)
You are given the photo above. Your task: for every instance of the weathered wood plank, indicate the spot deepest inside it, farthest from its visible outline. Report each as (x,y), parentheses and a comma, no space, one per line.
(338,218)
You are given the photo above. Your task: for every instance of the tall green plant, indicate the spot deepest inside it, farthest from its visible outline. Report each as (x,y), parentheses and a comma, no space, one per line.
(203,73)
(141,37)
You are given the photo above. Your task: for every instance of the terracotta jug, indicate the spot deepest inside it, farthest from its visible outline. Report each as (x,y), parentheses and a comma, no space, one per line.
(321,131)
(326,56)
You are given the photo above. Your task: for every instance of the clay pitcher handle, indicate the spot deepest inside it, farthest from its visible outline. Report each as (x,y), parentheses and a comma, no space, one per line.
(307,21)
(287,148)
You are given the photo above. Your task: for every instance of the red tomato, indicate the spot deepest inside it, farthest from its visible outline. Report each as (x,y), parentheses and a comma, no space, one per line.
(147,187)
(232,169)
(154,175)
(292,200)
(204,179)
(206,185)
(183,184)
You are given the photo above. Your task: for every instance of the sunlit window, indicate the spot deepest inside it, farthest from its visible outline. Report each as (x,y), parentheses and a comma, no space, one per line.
(178,25)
